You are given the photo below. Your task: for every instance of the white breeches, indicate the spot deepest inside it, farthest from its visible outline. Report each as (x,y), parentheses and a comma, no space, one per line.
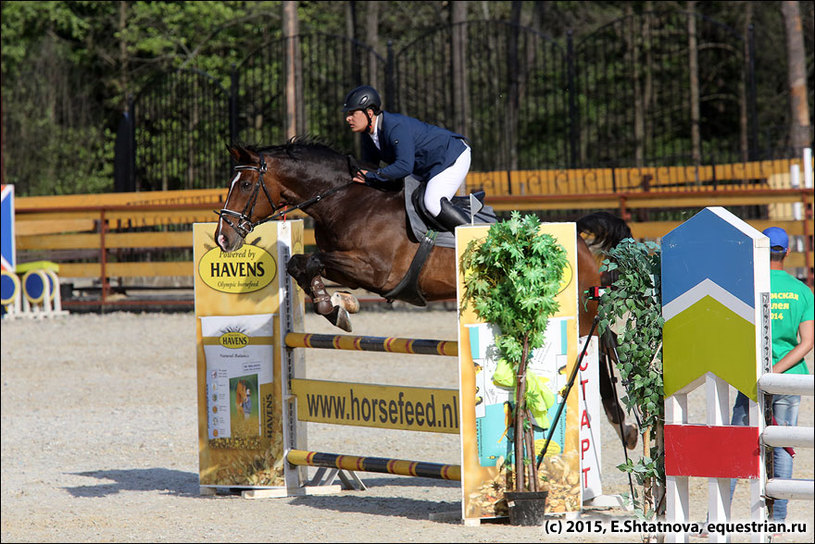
(446,183)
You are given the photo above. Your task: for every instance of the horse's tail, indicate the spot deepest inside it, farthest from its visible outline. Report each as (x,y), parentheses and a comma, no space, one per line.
(606,230)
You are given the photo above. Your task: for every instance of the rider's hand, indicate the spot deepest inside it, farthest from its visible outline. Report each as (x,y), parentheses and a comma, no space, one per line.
(359,177)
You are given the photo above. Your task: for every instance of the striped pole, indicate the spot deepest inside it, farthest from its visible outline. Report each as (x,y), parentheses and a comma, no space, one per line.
(374,464)
(388,344)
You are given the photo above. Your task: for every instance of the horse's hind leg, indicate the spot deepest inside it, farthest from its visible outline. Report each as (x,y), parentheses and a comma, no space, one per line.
(306,271)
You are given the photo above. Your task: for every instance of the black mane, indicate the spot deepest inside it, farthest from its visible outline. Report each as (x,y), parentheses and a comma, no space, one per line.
(296,147)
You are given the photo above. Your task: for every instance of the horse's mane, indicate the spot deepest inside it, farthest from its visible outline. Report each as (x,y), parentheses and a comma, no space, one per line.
(311,150)
(296,147)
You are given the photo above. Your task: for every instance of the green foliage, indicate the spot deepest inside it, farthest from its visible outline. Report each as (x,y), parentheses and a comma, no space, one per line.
(632,308)
(27,22)
(89,151)
(114,48)
(512,279)
(646,471)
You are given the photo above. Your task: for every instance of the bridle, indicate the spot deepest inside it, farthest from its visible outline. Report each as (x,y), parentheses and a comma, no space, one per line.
(244,224)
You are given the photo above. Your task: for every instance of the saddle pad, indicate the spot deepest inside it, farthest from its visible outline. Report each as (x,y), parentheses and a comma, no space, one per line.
(444,239)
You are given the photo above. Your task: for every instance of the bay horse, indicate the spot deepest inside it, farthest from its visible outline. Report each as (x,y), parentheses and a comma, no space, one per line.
(362,236)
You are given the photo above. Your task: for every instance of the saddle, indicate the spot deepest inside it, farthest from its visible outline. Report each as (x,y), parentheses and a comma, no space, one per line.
(424,230)
(421,221)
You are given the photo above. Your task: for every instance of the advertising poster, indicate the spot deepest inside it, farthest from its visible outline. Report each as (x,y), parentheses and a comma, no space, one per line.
(486,433)
(239,356)
(237,350)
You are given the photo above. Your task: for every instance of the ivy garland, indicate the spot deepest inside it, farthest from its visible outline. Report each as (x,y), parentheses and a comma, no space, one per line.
(632,308)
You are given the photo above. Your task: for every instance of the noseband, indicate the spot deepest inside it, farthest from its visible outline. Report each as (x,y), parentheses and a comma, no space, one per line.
(245,225)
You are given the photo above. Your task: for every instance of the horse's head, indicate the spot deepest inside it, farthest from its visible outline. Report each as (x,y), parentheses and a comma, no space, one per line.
(294,176)
(240,394)
(253,196)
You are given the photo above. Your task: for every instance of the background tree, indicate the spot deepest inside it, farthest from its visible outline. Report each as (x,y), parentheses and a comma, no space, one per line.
(70,67)
(800,127)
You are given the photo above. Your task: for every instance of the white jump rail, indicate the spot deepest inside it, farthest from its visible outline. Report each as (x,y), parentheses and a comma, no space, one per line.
(787,384)
(781,436)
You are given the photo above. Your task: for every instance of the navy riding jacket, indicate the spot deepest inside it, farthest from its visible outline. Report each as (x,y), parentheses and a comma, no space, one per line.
(410,146)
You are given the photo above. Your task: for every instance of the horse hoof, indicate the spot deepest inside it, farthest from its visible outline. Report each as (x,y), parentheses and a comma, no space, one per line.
(324,307)
(340,318)
(345,300)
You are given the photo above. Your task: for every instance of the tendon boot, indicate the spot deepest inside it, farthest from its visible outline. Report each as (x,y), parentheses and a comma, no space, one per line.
(451,215)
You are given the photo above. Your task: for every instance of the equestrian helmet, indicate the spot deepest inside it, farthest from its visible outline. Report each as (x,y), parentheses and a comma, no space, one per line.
(362,98)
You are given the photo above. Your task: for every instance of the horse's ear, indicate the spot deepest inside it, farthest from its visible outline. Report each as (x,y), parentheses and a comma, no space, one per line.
(234,151)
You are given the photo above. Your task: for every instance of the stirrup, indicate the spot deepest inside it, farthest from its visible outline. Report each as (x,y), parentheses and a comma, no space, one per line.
(451,215)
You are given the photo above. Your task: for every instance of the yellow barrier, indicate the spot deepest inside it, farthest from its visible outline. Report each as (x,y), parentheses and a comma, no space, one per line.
(722,177)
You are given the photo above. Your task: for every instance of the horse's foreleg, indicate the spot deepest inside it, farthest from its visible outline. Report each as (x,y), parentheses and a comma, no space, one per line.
(350,269)
(345,300)
(296,268)
(306,271)
(319,294)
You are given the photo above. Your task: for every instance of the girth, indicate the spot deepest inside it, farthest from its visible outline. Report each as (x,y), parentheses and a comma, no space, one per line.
(408,289)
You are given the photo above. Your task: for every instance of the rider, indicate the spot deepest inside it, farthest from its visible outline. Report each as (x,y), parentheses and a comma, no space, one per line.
(434,155)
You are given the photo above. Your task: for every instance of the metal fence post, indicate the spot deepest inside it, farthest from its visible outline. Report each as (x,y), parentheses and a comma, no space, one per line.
(391,101)
(291,38)
(574,125)
(132,181)
(123,155)
(234,129)
(751,95)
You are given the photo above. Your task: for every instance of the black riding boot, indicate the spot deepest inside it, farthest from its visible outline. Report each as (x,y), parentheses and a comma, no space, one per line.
(451,215)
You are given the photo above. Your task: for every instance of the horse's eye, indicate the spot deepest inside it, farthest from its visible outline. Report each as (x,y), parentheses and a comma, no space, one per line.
(246,185)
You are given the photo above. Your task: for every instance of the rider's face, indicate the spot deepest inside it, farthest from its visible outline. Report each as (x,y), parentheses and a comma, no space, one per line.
(357,120)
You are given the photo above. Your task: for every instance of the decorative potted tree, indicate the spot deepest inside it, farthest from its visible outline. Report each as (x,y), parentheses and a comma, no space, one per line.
(511,279)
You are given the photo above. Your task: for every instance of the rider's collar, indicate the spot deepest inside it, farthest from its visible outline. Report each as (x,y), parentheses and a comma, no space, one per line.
(375,124)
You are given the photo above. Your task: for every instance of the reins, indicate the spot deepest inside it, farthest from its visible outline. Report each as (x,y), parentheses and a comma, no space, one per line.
(305,204)
(245,224)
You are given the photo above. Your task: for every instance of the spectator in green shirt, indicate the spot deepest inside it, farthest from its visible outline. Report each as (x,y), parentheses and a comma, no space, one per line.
(791,307)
